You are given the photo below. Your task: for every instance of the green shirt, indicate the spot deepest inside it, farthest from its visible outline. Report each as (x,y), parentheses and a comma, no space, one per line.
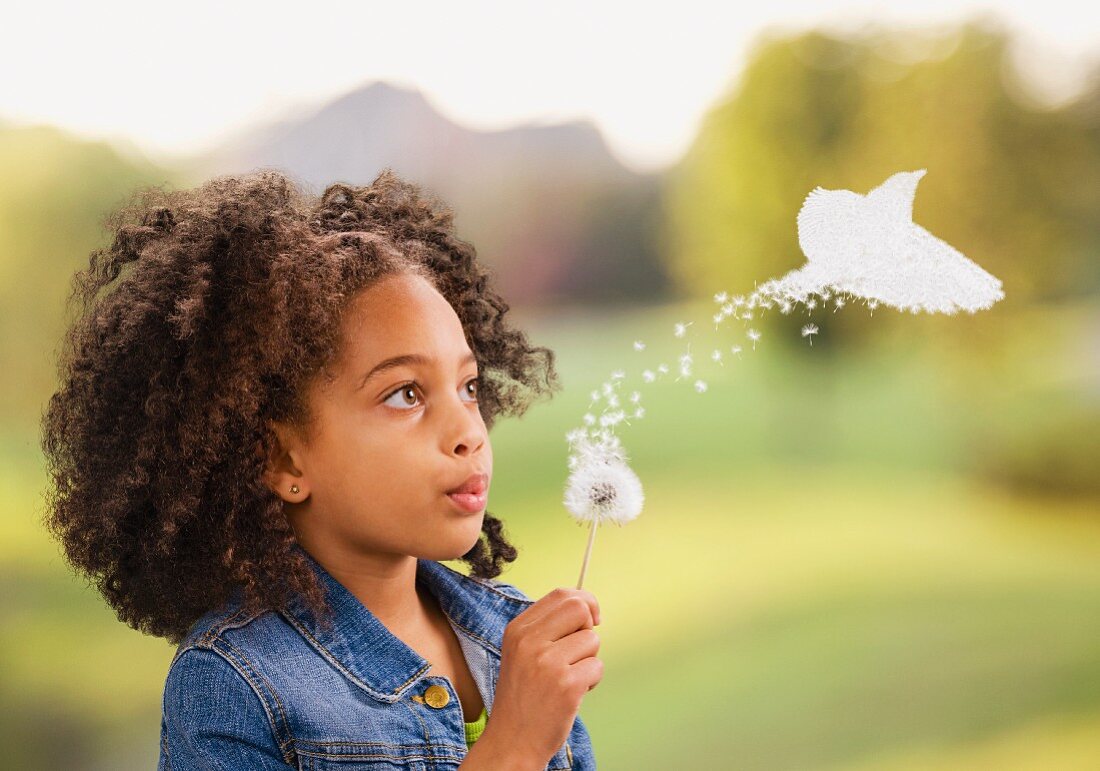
(474,729)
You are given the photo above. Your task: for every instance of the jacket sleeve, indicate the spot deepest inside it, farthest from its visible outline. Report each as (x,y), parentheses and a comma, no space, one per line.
(213,720)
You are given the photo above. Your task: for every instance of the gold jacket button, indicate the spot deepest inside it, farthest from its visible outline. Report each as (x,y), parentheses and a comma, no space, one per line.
(436,696)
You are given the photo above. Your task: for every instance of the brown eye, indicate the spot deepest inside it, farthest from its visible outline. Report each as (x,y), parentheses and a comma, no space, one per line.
(403,391)
(474,383)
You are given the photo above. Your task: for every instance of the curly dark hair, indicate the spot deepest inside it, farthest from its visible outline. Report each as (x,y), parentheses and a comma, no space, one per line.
(206,318)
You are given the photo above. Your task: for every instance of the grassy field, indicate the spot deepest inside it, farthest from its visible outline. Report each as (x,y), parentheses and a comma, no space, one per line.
(813,583)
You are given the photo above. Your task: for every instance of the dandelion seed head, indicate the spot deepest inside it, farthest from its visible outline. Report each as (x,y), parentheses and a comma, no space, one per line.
(601,486)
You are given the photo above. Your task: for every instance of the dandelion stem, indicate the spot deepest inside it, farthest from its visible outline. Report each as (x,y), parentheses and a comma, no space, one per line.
(588,550)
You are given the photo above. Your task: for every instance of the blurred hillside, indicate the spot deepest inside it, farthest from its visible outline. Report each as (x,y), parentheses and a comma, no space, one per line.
(542,203)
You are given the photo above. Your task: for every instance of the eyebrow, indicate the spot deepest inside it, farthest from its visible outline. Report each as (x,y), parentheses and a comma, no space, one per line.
(405,360)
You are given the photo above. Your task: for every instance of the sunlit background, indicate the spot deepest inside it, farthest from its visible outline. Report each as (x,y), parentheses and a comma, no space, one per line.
(881,551)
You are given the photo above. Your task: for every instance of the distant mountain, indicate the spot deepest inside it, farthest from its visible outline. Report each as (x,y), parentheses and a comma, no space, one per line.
(533,199)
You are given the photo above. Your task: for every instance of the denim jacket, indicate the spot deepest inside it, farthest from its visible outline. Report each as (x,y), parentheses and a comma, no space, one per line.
(273,690)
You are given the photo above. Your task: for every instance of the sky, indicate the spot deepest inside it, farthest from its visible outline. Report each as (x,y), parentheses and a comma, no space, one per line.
(175,78)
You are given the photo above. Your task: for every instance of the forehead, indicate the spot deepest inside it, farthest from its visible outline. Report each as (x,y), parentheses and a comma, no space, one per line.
(401,314)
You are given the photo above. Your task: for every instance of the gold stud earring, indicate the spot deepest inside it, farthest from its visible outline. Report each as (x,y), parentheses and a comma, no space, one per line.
(294,489)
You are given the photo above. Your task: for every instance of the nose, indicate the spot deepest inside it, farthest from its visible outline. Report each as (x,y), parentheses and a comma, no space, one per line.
(466,432)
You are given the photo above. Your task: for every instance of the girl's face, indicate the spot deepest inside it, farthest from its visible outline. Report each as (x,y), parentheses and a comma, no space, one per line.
(391,438)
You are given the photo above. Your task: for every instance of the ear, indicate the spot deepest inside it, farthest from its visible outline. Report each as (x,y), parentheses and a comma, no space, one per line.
(282,472)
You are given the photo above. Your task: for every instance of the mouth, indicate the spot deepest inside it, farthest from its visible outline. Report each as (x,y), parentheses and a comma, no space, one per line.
(472,495)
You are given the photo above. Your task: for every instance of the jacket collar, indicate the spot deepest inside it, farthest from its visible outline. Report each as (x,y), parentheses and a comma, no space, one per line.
(362,648)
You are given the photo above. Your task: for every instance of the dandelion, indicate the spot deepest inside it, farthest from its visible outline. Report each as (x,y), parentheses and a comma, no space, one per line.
(808,331)
(839,303)
(613,401)
(608,389)
(589,418)
(681,328)
(639,412)
(601,488)
(639,345)
(716,355)
(738,301)
(685,364)
(595,396)
(825,296)
(662,368)
(635,397)
(700,386)
(746,316)
(811,304)
(872,304)
(648,376)
(736,349)
(721,297)
(754,336)
(785,307)
(727,309)
(717,319)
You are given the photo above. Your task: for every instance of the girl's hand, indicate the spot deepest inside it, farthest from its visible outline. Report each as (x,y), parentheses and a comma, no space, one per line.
(548,663)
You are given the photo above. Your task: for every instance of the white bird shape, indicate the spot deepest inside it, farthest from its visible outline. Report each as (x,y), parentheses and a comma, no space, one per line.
(869,246)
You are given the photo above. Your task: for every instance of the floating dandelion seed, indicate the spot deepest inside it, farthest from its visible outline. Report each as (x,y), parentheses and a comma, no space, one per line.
(589,418)
(601,488)
(811,304)
(613,400)
(754,336)
(785,307)
(738,301)
(648,376)
(595,396)
(839,303)
(700,386)
(639,345)
(618,375)
(681,328)
(635,397)
(721,297)
(808,331)
(716,355)
(736,349)
(717,319)
(662,368)
(639,412)
(727,309)
(746,316)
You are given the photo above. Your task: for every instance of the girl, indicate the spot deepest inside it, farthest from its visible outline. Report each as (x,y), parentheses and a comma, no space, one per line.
(271,428)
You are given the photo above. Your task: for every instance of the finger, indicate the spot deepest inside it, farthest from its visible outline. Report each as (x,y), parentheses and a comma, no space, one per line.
(578,645)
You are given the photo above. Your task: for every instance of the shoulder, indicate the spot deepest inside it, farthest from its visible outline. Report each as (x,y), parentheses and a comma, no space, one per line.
(503,587)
